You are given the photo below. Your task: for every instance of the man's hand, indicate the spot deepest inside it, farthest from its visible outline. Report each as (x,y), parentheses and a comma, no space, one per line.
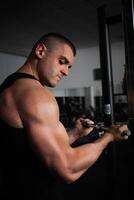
(82,128)
(119,132)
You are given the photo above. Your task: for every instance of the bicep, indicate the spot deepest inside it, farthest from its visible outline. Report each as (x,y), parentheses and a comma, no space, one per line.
(49,141)
(48,136)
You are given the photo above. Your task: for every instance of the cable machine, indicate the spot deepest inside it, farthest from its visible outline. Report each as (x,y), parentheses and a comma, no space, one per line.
(127,19)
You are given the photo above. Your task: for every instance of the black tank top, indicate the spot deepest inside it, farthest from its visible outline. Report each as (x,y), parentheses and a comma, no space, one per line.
(23,175)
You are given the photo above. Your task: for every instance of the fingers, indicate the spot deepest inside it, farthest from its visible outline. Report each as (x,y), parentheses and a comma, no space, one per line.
(121,132)
(87,123)
(125,137)
(123,127)
(84,126)
(126,134)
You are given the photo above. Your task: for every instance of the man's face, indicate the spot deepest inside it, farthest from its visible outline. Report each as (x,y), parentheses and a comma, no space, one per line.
(55,65)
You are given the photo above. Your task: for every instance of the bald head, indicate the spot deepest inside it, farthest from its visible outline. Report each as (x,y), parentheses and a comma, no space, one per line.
(53,40)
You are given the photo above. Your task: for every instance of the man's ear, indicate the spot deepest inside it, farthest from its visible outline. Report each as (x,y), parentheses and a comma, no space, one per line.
(40,50)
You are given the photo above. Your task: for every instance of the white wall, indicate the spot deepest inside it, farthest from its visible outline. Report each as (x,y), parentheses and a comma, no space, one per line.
(9,63)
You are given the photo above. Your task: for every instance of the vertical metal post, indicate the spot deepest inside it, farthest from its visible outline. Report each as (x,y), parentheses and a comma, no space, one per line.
(106,69)
(128,21)
(107,92)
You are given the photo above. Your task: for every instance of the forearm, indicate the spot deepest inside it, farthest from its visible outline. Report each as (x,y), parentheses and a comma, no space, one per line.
(86,155)
(78,160)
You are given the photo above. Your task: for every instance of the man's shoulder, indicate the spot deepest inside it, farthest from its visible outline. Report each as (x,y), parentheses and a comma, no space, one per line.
(33,91)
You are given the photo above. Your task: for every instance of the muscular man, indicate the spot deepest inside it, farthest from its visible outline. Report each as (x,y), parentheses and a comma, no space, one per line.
(36,150)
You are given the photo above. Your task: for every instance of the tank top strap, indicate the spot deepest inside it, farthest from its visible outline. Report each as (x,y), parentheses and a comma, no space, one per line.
(13,77)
